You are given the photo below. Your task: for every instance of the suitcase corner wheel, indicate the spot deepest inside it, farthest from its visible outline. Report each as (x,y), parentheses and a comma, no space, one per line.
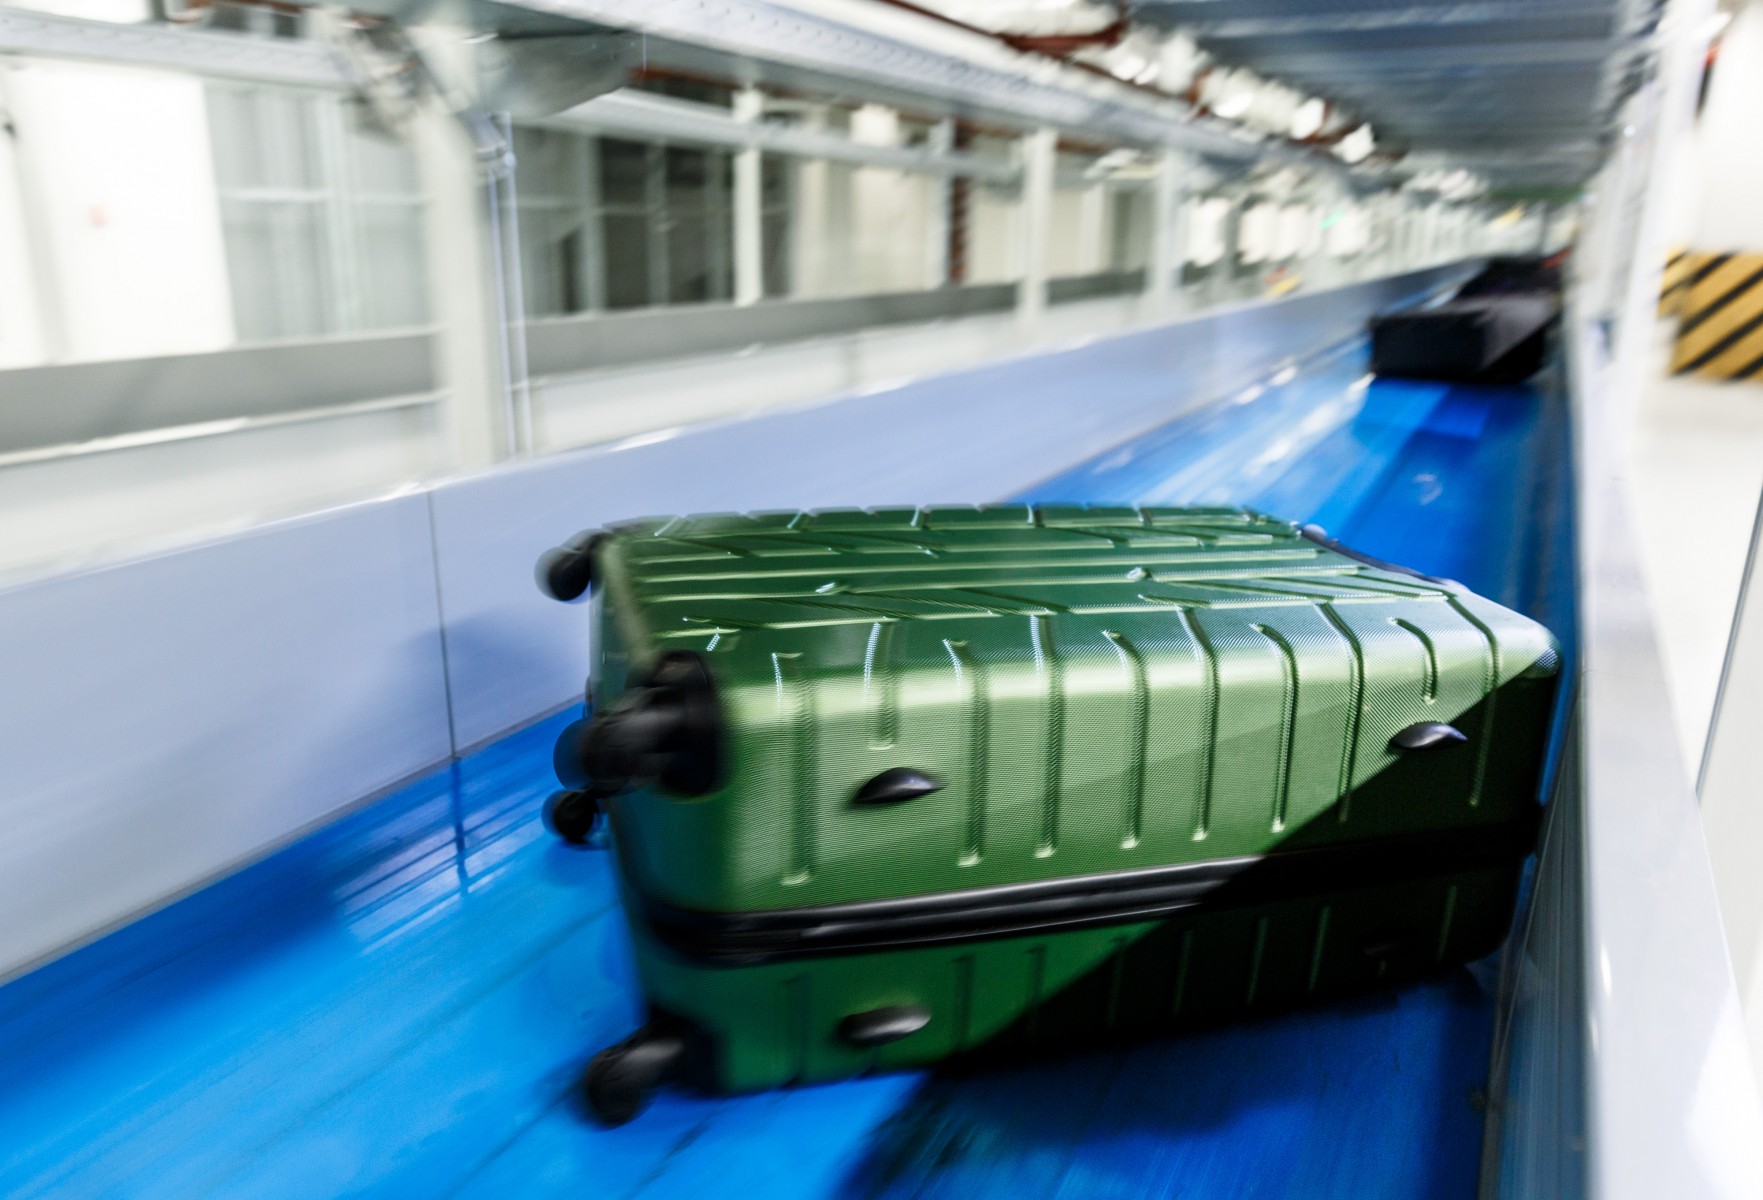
(621,1079)
(567,572)
(662,731)
(573,815)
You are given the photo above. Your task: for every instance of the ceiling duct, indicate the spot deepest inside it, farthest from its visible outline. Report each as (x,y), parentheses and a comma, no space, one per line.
(536,76)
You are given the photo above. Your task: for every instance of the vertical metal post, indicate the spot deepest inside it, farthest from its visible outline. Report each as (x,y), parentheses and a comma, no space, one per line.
(1232,262)
(808,225)
(590,245)
(1092,227)
(1037,218)
(656,223)
(749,220)
(717,215)
(956,258)
(939,188)
(1167,230)
(346,293)
(468,345)
(497,147)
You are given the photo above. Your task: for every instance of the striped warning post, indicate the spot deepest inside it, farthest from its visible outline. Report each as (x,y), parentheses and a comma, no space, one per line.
(1720,335)
(1679,265)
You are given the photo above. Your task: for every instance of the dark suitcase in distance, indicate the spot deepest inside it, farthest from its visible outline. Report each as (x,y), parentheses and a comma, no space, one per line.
(892,787)
(1484,339)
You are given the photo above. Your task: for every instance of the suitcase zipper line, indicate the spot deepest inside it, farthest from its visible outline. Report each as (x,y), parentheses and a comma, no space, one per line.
(1114,898)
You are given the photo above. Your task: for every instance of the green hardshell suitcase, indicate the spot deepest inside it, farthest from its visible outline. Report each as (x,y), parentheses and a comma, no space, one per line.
(889,787)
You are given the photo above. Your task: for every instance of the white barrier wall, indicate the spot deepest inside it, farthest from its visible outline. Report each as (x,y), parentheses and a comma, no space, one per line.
(167,719)
(164,720)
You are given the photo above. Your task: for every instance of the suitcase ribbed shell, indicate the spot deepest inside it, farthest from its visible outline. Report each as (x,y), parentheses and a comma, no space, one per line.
(1096,689)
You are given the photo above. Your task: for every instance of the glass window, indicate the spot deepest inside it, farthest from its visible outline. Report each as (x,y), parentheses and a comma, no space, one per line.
(623,172)
(777,177)
(278,265)
(322,222)
(1130,232)
(696,219)
(627,260)
(611,223)
(556,205)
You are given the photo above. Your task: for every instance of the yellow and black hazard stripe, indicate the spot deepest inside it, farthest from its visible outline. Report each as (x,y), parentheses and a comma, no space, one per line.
(1680,264)
(1721,332)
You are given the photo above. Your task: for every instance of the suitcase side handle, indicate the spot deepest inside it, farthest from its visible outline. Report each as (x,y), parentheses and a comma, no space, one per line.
(896,785)
(1428,735)
(879,1026)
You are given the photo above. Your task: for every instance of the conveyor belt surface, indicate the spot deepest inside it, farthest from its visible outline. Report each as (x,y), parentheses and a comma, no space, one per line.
(399,1004)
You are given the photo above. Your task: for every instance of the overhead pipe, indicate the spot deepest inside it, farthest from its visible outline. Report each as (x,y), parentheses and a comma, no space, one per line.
(1059,48)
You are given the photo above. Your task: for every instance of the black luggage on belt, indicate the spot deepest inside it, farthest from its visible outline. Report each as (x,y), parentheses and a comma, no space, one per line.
(1483,339)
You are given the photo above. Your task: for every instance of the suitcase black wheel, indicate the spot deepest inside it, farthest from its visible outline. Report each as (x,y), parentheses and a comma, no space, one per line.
(664,730)
(567,572)
(622,1078)
(573,815)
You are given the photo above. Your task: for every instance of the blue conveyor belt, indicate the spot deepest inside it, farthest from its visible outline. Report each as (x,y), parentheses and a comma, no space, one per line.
(399,1004)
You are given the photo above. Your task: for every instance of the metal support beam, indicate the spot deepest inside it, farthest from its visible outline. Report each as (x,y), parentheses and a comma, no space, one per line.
(1425,16)
(640,115)
(941,141)
(1038,150)
(1430,60)
(749,248)
(590,248)
(894,58)
(1166,229)
(469,356)
(199,52)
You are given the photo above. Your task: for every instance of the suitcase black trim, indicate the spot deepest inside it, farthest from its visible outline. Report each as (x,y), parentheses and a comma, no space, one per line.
(1115,898)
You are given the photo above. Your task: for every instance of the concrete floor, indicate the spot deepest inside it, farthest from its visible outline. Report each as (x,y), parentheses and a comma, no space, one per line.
(1697,471)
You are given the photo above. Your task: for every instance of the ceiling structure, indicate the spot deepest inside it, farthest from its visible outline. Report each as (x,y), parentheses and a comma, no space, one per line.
(1527,93)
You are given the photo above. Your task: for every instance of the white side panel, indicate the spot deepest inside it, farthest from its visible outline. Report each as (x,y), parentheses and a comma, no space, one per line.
(166,719)
(61,511)
(1673,1106)
(1732,798)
